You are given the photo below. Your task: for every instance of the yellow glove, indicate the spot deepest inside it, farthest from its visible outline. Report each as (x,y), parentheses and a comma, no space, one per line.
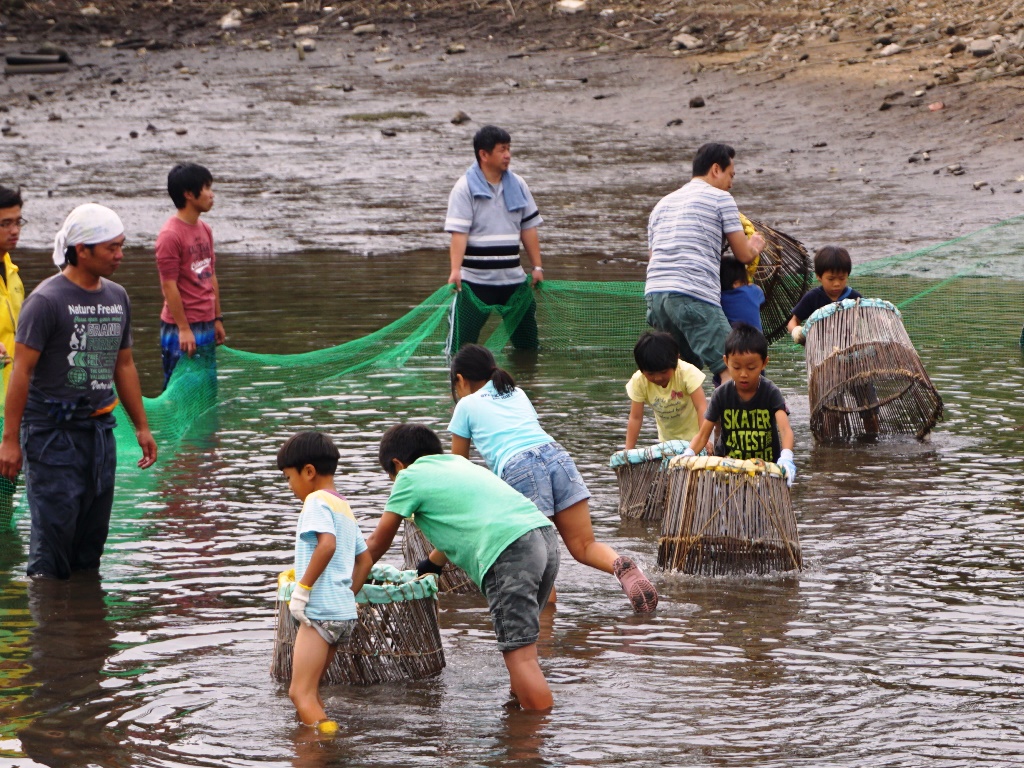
(748,230)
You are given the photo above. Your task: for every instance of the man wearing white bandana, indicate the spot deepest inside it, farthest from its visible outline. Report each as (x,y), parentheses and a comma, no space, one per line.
(73,360)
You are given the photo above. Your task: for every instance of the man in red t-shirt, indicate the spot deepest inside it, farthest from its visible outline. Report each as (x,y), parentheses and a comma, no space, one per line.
(191,318)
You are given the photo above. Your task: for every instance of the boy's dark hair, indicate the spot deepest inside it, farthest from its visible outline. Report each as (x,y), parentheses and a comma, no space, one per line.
(746,338)
(476,363)
(732,270)
(407,442)
(309,447)
(487,138)
(10,198)
(656,351)
(832,258)
(712,153)
(187,177)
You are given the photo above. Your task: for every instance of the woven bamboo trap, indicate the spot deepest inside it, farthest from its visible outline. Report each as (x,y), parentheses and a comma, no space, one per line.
(726,516)
(864,376)
(784,271)
(643,479)
(415,547)
(396,638)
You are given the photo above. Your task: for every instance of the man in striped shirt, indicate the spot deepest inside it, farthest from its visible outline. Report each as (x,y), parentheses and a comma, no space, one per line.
(686,233)
(490,211)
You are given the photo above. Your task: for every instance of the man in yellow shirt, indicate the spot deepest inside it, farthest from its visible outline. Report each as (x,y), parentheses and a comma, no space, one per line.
(12,292)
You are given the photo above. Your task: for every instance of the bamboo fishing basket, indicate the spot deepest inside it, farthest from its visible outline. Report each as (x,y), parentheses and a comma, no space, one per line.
(785,272)
(415,547)
(864,376)
(726,516)
(396,637)
(643,479)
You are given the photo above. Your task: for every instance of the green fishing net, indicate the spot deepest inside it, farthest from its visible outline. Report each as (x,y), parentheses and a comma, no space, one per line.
(965,293)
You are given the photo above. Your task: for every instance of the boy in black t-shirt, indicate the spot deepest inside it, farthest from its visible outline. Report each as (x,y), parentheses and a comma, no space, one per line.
(749,411)
(833,266)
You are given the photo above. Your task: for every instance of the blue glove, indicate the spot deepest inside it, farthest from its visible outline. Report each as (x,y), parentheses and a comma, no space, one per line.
(786,462)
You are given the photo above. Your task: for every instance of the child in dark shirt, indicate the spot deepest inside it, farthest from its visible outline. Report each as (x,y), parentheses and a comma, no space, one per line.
(749,411)
(741,300)
(833,266)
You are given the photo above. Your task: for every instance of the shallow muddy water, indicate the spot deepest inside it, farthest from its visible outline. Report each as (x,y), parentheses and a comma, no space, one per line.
(899,644)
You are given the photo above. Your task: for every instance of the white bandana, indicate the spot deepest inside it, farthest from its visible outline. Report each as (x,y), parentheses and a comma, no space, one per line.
(88,224)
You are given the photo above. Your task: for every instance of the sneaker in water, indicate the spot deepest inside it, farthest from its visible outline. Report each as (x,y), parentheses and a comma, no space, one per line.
(638,588)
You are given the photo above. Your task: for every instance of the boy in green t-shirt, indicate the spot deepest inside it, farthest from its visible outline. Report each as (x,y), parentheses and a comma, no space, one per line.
(494,533)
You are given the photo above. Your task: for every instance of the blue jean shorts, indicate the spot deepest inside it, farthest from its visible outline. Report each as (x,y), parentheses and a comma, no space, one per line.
(547,476)
(334,631)
(517,586)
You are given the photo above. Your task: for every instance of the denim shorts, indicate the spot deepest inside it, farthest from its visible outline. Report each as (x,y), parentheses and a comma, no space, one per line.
(517,586)
(698,327)
(547,476)
(334,632)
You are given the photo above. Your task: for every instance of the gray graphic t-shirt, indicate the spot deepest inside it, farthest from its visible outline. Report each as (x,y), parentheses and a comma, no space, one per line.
(78,334)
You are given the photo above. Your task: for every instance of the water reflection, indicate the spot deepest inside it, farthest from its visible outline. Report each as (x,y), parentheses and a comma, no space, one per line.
(65,716)
(900,644)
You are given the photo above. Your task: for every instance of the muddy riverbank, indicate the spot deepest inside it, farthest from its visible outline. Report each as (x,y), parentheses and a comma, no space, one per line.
(351,147)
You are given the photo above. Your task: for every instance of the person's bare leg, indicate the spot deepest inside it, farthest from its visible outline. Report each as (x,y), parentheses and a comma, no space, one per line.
(574,526)
(577,531)
(527,679)
(308,660)
(331,650)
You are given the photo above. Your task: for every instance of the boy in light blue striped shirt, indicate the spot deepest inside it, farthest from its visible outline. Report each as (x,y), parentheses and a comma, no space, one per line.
(331,564)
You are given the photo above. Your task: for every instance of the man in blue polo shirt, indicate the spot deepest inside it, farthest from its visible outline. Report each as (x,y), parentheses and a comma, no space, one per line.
(490,211)
(686,233)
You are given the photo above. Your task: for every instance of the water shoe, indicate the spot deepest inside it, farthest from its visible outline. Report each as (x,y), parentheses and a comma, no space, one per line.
(638,588)
(326,727)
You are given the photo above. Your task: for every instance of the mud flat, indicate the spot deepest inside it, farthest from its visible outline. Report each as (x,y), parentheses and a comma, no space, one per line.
(349,145)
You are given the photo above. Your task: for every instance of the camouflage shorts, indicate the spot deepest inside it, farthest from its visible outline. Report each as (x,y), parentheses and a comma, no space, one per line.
(334,632)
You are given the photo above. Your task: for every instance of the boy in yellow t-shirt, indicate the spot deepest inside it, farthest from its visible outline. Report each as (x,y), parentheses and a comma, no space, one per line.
(672,387)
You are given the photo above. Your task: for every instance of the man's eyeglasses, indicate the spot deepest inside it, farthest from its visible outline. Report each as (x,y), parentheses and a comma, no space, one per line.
(11,223)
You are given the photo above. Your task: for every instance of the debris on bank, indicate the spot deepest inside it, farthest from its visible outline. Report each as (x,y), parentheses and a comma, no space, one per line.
(47,59)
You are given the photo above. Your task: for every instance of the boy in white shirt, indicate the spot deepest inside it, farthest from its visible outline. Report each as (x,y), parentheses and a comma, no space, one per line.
(331,564)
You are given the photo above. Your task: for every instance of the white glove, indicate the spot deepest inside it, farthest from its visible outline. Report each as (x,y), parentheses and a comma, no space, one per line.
(786,462)
(297,605)
(688,452)
(798,335)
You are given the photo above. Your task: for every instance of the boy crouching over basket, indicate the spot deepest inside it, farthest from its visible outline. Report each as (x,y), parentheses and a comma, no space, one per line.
(483,525)
(749,411)
(331,564)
